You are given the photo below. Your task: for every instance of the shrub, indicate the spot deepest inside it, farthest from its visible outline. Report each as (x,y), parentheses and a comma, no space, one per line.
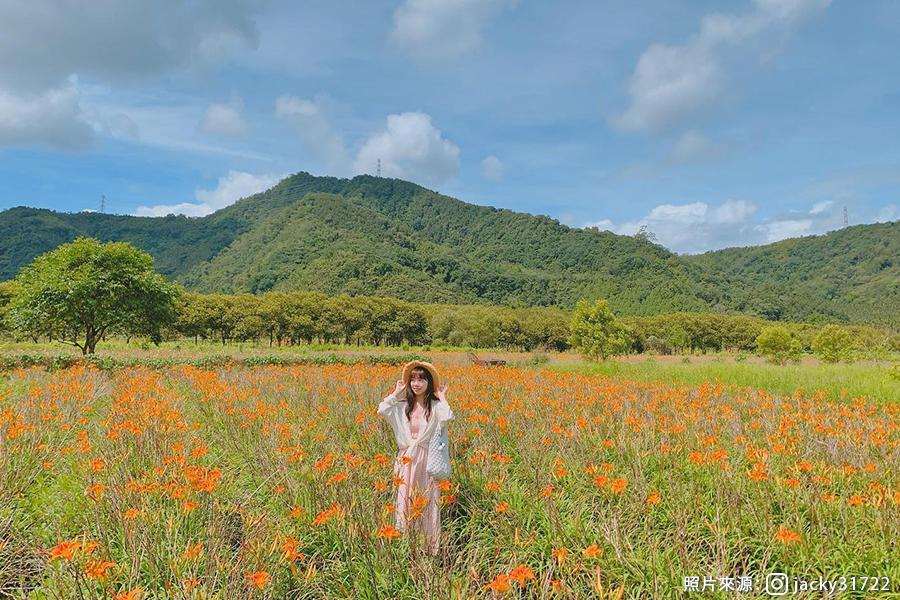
(895,372)
(833,344)
(655,345)
(778,345)
(596,333)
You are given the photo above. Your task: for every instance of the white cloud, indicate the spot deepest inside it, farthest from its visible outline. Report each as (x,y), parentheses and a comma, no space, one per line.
(157,118)
(53,118)
(694,146)
(602,225)
(887,214)
(42,42)
(231,188)
(319,138)
(568,219)
(122,126)
(698,227)
(225,119)
(821,207)
(435,30)
(493,168)
(671,83)
(822,217)
(786,228)
(45,43)
(409,147)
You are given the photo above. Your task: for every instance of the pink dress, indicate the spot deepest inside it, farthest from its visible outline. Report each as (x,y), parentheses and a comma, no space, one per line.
(417,483)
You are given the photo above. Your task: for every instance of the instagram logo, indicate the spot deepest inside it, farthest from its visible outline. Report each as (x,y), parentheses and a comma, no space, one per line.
(777,584)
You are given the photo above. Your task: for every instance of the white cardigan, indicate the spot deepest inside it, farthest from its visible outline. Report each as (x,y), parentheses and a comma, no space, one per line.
(393,409)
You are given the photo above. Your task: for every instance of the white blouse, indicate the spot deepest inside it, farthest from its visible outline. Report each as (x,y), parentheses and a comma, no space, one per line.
(394,410)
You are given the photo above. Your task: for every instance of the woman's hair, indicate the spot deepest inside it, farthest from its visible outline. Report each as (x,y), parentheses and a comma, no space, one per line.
(430,396)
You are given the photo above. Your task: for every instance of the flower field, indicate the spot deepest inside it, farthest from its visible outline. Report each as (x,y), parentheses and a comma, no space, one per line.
(276,481)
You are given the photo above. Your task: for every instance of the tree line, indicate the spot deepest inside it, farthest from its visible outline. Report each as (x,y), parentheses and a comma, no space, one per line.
(85,291)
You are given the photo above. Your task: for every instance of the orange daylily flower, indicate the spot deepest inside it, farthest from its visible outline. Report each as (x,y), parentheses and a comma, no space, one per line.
(64,550)
(522,573)
(787,536)
(289,549)
(336,478)
(388,533)
(260,579)
(499,584)
(192,552)
(97,569)
(618,485)
(326,515)
(95,492)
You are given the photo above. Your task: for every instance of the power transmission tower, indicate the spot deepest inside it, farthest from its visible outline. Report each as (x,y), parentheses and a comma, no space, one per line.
(846,220)
(103,203)
(378,169)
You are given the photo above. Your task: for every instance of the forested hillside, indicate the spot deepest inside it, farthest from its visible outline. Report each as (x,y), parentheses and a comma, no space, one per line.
(380,236)
(852,272)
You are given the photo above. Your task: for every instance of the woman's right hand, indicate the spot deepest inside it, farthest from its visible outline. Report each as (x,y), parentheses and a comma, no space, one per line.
(399,387)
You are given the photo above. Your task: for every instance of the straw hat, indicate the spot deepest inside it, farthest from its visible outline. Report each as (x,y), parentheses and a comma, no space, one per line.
(408,367)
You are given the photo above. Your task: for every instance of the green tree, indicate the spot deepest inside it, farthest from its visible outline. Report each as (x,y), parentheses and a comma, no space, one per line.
(778,345)
(8,290)
(678,338)
(79,290)
(192,319)
(596,333)
(833,344)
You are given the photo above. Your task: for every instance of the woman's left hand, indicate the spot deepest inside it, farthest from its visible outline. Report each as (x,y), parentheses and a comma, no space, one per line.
(442,392)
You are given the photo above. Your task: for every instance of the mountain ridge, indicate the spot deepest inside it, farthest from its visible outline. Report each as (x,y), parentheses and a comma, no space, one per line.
(381,236)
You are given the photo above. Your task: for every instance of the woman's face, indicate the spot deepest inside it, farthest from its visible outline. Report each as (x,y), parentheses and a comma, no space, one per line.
(417,382)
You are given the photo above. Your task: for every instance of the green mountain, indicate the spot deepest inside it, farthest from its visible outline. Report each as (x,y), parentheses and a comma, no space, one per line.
(852,273)
(379,236)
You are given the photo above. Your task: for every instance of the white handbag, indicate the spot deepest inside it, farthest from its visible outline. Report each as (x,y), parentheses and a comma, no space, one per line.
(438,465)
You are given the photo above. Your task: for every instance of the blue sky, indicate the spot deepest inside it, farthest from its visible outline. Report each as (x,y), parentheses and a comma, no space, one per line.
(714,124)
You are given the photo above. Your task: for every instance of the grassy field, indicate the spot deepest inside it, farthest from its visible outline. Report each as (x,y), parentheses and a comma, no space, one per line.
(276,482)
(837,382)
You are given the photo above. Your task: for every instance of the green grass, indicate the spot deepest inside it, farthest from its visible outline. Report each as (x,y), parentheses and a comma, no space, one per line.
(115,345)
(869,379)
(840,381)
(267,429)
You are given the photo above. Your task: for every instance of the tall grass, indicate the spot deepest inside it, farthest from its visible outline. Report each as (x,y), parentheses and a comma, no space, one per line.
(564,485)
(840,381)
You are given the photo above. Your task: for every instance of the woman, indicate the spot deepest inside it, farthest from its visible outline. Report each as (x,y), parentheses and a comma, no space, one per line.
(416,412)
